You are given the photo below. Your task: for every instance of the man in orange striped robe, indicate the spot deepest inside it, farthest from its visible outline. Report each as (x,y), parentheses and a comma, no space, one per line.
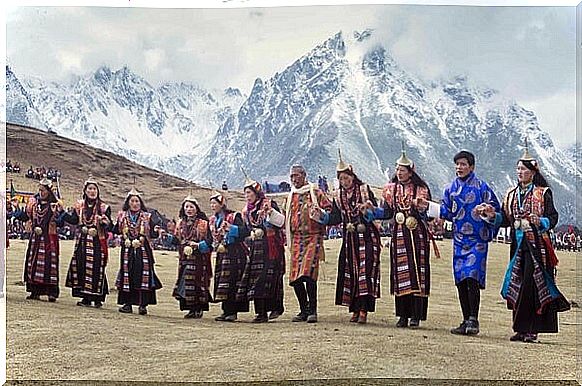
(307,211)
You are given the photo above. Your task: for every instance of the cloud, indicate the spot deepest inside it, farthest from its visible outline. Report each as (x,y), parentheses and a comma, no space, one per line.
(518,51)
(526,53)
(71,62)
(154,58)
(556,114)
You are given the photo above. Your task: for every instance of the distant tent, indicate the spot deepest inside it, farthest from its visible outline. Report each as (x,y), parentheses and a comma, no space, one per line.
(21,196)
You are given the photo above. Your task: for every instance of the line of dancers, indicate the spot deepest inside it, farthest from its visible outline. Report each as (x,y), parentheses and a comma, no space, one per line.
(250,247)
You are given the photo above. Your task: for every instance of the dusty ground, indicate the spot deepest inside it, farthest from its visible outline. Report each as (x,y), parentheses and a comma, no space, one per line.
(63,341)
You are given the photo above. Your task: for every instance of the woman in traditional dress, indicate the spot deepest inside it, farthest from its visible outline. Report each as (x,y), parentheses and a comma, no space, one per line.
(228,235)
(409,244)
(358,278)
(41,267)
(137,281)
(86,275)
(529,286)
(263,277)
(194,241)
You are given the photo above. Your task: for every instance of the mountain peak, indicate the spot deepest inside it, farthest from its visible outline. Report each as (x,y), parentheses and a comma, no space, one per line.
(232,92)
(103,75)
(126,73)
(336,43)
(257,86)
(364,35)
(376,61)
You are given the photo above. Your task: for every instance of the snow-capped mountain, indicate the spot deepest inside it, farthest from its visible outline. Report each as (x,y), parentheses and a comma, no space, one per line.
(19,106)
(574,152)
(347,92)
(166,127)
(343,95)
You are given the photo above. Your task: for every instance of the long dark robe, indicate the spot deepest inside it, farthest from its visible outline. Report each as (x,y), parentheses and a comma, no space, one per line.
(409,251)
(86,275)
(358,277)
(41,267)
(231,264)
(529,286)
(194,271)
(137,281)
(263,275)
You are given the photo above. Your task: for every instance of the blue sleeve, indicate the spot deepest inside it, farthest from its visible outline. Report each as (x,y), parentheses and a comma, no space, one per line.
(488,196)
(369,216)
(497,221)
(232,234)
(203,247)
(446,205)
(60,219)
(544,224)
(325,219)
(378,213)
(20,214)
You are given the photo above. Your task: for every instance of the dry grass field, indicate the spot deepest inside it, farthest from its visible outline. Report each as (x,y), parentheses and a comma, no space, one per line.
(63,341)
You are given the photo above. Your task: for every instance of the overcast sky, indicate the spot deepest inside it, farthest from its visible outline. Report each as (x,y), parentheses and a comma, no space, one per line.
(527,53)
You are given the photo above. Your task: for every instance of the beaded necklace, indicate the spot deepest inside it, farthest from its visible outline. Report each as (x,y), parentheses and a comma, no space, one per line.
(188,229)
(92,219)
(133,224)
(41,214)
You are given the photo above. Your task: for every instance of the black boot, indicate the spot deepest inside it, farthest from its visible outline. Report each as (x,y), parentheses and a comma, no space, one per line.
(274,314)
(530,338)
(220,318)
(312,317)
(518,337)
(261,312)
(33,296)
(126,309)
(262,318)
(312,305)
(301,295)
(300,317)
(472,326)
(402,322)
(84,303)
(461,330)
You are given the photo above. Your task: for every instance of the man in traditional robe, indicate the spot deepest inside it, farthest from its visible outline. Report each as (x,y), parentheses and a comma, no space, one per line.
(463,204)
(306,213)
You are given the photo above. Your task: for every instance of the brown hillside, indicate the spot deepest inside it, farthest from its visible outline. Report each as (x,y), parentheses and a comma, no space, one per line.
(75,160)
